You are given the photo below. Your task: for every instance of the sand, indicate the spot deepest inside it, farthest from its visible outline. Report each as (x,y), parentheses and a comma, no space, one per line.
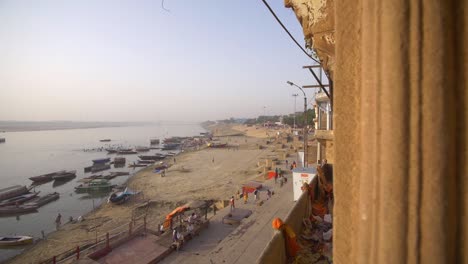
(193,176)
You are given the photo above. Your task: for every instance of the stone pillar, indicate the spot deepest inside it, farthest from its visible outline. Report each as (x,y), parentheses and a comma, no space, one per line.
(400,132)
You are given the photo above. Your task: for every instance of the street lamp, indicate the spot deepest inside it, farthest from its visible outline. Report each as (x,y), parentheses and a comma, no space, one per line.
(295,97)
(305,121)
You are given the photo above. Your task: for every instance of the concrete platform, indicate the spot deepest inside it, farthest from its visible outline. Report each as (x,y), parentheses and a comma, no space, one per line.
(235,217)
(139,250)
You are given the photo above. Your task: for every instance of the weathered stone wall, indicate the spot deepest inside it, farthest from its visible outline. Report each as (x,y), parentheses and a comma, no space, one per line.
(400,117)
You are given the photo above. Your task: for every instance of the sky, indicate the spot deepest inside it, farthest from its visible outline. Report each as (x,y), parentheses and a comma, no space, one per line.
(118,60)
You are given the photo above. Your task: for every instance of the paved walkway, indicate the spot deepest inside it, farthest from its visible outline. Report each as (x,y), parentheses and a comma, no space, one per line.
(222,243)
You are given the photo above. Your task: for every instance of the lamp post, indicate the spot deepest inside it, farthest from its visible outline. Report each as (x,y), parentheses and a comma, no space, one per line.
(305,122)
(295,97)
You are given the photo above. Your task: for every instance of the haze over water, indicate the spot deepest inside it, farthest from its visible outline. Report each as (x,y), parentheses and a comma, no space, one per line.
(32,153)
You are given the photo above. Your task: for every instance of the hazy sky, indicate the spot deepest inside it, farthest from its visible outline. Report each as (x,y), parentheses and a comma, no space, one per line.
(91,60)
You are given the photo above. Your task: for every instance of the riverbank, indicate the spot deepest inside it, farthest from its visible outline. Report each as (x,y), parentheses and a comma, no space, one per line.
(204,174)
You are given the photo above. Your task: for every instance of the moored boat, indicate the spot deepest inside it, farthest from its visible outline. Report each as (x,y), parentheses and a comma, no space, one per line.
(217,145)
(101,161)
(146,161)
(119,160)
(10,192)
(2,140)
(142,149)
(94,185)
(105,140)
(14,210)
(126,152)
(152,157)
(15,240)
(154,141)
(43,200)
(19,199)
(171,146)
(45,177)
(100,167)
(65,176)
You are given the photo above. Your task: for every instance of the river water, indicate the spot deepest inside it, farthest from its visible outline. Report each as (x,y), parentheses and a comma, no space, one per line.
(32,153)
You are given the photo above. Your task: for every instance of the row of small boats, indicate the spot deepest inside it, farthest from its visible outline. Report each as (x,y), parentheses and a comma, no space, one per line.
(19,199)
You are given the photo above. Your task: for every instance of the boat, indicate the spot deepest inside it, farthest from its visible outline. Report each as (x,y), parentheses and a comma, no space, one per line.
(137,165)
(171,154)
(152,157)
(120,197)
(2,140)
(171,146)
(161,167)
(142,149)
(45,177)
(14,210)
(126,152)
(111,151)
(105,140)
(100,161)
(119,173)
(88,169)
(119,160)
(43,200)
(145,161)
(94,185)
(100,167)
(10,192)
(15,240)
(19,199)
(68,175)
(217,145)
(154,141)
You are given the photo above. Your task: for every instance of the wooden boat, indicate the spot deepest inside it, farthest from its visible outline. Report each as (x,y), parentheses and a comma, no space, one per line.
(94,185)
(10,192)
(119,173)
(142,149)
(145,161)
(105,140)
(152,157)
(43,200)
(111,151)
(120,197)
(217,145)
(154,141)
(171,146)
(68,175)
(88,169)
(101,161)
(15,240)
(100,167)
(126,152)
(14,210)
(45,177)
(137,165)
(119,160)
(19,199)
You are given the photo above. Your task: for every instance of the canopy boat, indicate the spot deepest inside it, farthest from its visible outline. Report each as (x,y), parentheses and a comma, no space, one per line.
(15,240)
(101,161)
(105,140)
(43,200)
(21,209)
(94,185)
(10,192)
(19,199)
(45,177)
(68,175)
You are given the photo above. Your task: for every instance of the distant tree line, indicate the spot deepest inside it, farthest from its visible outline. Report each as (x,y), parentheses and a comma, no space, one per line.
(287,119)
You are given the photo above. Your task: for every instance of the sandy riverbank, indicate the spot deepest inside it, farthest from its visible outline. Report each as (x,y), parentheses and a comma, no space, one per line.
(193,176)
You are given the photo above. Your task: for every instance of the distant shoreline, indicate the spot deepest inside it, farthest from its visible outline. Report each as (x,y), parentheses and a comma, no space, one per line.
(18,126)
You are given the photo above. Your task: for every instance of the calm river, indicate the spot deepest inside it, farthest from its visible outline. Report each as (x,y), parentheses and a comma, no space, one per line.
(32,153)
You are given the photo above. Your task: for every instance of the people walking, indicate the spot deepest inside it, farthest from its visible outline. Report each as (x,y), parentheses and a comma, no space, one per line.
(58,221)
(276,175)
(256,195)
(233,206)
(246,197)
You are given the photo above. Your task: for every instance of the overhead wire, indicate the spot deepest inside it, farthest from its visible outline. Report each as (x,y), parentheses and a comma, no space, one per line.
(287,31)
